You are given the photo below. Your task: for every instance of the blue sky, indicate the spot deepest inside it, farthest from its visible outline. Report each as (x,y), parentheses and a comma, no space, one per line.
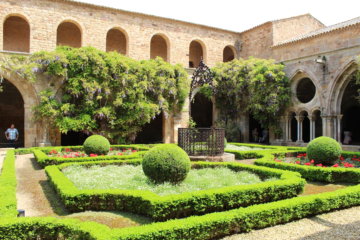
(238,15)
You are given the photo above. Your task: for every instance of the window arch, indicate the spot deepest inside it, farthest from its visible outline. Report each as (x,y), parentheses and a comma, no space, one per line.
(16,34)
(68,34)
(116,40)
(228,54)
(196,52)
(159,47)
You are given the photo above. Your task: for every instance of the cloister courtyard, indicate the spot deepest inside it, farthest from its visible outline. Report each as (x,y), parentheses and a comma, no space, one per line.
(123,125)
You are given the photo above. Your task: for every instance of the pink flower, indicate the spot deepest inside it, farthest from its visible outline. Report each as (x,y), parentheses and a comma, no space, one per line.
(297,162)
(119,154)
(307,164)
(336,165)
(93,155)
(319,165)
(312,161)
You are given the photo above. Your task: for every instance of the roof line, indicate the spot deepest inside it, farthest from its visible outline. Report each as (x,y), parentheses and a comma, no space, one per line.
(142,14)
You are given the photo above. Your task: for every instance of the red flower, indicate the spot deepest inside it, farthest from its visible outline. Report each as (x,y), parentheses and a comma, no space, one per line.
(336,165)
(297,162)
(307,164)
(277,160)
(111,149)
(312,161)
(119,154)
(93,155)
(134,151)
(319,165)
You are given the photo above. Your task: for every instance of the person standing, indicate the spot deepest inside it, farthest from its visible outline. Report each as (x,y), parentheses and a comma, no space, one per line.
(12,135)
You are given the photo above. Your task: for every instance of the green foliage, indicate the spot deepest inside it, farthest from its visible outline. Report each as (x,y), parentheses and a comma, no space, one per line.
(324,150)
(180,205)
(96,144)
(105,92)
(257,86)
(8,186)
(166,163)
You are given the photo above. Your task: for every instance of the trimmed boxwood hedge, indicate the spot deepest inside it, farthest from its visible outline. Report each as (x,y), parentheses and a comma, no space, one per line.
(44,160)
(178,205)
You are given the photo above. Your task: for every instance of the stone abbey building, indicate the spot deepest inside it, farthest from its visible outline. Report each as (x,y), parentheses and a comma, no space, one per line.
(320,61)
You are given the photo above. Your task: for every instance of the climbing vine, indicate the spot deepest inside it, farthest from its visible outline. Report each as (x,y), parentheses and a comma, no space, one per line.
(104,92)
(257,86)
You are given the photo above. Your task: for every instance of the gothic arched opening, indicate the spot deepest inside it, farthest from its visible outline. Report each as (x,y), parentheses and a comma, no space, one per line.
(196,52)
(350,109)
(318,123)
(305,127)
(202,111)
(228,54)
(158,47)
(293,127)
(16,34)
(116,41)
(151,132)
(68,34)
(11,112)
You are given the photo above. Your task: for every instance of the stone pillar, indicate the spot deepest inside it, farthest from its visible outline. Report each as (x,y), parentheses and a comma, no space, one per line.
(338,126)
(244,127)
(328,124)
(45,141)
(167,127)
(312,127)
(300,120)
(29,127)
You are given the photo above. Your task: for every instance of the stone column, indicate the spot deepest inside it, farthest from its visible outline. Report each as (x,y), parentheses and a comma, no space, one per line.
(312,127)
(244,127)
(328,124)
(338,118)
(300,120)
(29,127)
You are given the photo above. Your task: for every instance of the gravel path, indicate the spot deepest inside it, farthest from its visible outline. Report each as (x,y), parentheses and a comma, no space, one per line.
(339,225)
(33,190)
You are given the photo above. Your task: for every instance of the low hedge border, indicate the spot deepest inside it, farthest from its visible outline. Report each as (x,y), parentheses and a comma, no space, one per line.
(162,208)
(220,224)
(44,160)
(8,186)
(52,228)
(312,173)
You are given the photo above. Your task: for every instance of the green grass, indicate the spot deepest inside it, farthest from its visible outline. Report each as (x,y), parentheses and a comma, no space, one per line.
(132,178)
(242,148)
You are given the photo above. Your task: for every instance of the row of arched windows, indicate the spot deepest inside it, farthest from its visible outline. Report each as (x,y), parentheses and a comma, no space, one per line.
(16,37)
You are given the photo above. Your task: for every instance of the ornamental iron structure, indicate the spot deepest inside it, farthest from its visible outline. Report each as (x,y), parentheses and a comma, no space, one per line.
(202,141)
(202,75)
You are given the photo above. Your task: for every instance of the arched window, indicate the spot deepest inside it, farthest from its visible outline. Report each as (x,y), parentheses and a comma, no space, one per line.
(16,34)
(116,41)
(228,54)
(68,34)
(196,52)
(158,47)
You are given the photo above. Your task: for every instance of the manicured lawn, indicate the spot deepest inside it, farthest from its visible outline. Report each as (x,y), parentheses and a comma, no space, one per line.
(132,177)
(242,148)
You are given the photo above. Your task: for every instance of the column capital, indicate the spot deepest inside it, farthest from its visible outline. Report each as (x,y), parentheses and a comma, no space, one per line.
(339,117)
(300,118)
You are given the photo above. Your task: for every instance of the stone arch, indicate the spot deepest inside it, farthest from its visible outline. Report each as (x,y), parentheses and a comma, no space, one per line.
(30,99)
(69,33)
(117,40)
(229,53)
(197,50)
(316,121)
(16,33)
(339,85)
(160,47)
(304,119)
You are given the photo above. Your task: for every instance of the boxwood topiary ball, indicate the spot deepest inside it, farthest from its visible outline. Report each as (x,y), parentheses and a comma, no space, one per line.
(166,163)
(324,150)
(96,144)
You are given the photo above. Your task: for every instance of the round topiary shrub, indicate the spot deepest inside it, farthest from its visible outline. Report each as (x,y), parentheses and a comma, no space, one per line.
(166,163)
(324,150)
(96,144)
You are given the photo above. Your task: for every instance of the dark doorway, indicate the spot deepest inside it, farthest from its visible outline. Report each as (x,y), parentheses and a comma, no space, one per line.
(350,108)
(255,129)
(152,132)
(318,124)
(293,122)
(73,138)
(202,111)
(306,128)
(11,112)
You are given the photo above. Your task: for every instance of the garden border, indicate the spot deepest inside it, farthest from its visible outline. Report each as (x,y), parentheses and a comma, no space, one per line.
(177,205)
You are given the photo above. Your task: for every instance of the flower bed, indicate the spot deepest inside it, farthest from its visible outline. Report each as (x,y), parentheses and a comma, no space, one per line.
(57,155)
(178,205)
(313,173)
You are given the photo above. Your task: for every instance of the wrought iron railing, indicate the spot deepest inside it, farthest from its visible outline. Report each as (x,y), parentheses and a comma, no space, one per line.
(202,141)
